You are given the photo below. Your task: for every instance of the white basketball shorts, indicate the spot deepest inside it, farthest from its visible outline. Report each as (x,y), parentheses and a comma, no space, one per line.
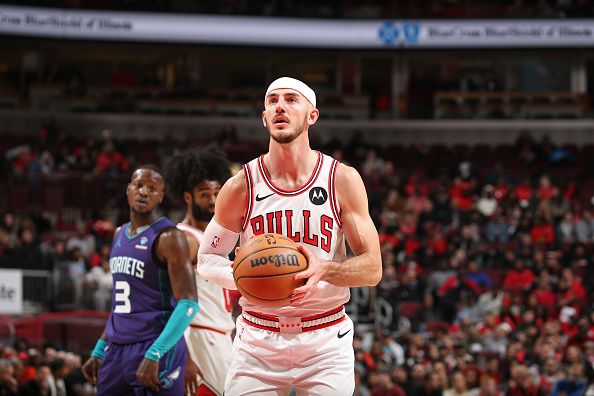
(318,362)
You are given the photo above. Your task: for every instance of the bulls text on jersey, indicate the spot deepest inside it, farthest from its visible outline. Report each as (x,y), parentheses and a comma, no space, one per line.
(282,220)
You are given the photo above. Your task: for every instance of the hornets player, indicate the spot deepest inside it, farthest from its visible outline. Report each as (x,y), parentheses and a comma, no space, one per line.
(154,299)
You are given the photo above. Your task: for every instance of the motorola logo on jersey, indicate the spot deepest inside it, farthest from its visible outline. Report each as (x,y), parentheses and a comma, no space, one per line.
(318,196)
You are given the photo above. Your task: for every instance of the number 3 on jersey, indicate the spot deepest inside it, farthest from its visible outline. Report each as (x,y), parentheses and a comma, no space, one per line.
(122,295)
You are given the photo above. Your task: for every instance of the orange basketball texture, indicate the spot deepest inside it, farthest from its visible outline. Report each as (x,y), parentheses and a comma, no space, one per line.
(265,267)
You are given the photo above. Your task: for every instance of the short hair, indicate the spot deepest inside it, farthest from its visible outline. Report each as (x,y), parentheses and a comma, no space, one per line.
(187,169)
(57,364)
(152,167)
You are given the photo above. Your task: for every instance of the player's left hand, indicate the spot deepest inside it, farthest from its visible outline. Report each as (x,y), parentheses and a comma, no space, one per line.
(314,273)
(148,374)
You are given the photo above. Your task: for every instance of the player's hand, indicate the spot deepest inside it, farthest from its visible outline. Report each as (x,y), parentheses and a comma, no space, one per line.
(314,273)
(191,374)
(148,374)
(91,369)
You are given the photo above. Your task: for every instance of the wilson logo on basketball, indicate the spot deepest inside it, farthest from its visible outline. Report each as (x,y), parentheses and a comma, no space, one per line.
(278,260)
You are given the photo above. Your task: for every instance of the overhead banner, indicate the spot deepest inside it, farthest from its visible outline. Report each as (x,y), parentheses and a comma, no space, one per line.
(11,291)
(293,32)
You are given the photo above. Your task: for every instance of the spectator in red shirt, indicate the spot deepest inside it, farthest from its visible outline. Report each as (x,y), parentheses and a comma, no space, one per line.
(438,244)
(542,232)
(546,190)
(408,226)
(111,160)
(572,291)
(523,193)
(418,204)
(544,292)
(462,194)
(519,278)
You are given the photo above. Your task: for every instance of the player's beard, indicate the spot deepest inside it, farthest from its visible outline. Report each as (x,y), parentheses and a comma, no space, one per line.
(284,138)
(200,214)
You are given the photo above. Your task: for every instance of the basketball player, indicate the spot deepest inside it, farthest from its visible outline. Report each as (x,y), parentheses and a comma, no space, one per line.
(142,351)
(196,177)
(319,203)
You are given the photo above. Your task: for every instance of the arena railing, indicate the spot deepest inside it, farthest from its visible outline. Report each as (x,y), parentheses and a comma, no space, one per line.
(60,289)
(182,128)
(38,290)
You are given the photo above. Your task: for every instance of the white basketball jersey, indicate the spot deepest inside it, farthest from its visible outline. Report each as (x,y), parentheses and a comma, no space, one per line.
(309,215)
(215,302)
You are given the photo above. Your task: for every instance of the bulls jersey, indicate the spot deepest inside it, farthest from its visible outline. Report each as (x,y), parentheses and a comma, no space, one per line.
(215,302)
(142,296)
(310,216)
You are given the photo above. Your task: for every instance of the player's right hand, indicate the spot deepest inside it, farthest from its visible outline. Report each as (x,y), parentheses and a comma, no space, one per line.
(315,272)
(148,374)
(91,369)
(191,374)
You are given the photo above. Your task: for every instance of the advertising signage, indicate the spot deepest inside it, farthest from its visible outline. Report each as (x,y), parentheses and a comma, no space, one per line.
(293,32)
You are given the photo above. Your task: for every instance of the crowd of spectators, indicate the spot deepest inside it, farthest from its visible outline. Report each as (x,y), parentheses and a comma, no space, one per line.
(486,269)
(484,259)
(54,150)
(73,241)
(47,371)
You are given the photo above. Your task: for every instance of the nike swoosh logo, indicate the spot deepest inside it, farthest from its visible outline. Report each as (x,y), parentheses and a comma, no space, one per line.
(343,334)
(259,198)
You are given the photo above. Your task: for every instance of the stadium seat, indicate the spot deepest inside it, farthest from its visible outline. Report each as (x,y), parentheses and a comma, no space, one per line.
(437,325)
(409,308)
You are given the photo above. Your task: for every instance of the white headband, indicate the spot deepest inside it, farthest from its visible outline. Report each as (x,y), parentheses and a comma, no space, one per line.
(291,83)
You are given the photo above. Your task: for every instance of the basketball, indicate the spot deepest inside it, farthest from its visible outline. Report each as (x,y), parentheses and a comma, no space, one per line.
(265,267)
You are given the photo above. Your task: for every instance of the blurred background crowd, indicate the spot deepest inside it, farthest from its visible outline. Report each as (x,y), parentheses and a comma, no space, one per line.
(47,371)
(486,254)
